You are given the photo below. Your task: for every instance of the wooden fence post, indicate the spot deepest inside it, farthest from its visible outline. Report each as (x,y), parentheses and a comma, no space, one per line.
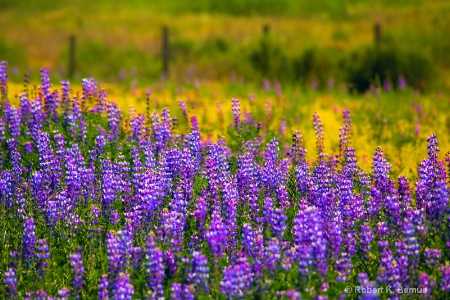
(71,70)
(266,29)
(377,34)
(165,51)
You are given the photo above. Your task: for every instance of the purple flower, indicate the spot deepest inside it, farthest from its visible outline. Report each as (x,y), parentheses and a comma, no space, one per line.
(236,108)
(29,241)
(365,239)
(10,282)
(103,293)
(154,267)
(43,255)
(272,255)
(114,118)
(180,291)
(318,127)
(387,271)
(123,289)
(3,79)
(445,279)
(76,263)
(114,254)
(135,257)
(432,256)
(426,284)
(237,279)
(63,294)
(199,275)
(217,235)
(309,239)
(402,82)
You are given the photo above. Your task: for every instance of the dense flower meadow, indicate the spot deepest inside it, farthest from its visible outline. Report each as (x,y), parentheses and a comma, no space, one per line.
(96,206)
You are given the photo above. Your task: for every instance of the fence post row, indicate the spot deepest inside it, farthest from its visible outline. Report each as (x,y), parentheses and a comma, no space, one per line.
(165,47)
(377,34)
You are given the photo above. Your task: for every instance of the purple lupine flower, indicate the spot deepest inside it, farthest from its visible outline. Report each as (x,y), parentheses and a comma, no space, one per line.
(194,124)
(200,271)
(2,131)
(426,284)
(344,263)
(89,87)
(258,255)
(43,255)
(402,82)
(236,108)
(404,192)
(114,118)
(382,230)
(29,241)
(103,293)
(293,295)
(10,282)
(123,289)
(180,291)
(3,80)
(318,127)
(45,80)
(100,143)
(248,240)
(170,263)
(183,108)
(237,279)
(278,222)
(445,279)
(432,256)
(125,243)
(345,133)
(14,118)
(14,259)
(63,294)
(137,126)
(35,124)
(350,204)
(272,255)
(217,235)
(76,263)
(230,199)
(432,190)
(154,267)
(172,224)
(365,240)
(401,257)
(381,169)
(114,255)
(387,85)
(28,148)
(65,96)
(386,272)
(412,250)
(309,237)
(95,214)
(108,190)
(135,258)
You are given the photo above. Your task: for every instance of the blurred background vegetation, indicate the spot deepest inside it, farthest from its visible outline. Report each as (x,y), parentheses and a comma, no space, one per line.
(309,43)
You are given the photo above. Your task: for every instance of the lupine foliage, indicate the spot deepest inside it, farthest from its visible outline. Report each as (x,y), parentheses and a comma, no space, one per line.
(93,205)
